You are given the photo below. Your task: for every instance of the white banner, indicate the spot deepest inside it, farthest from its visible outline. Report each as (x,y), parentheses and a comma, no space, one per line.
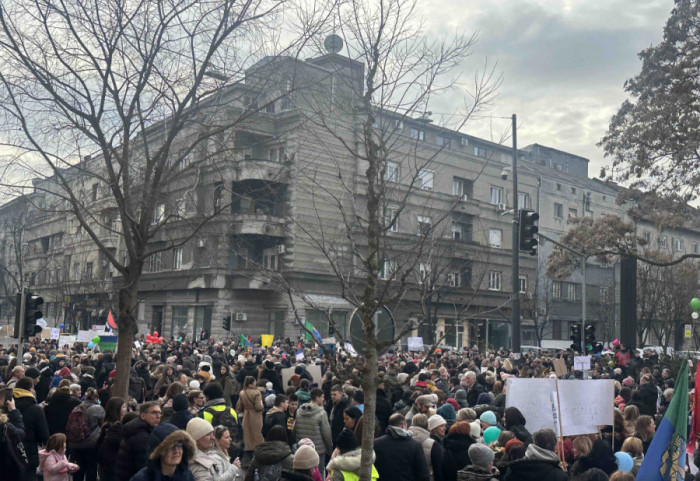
(415,343)
(582,363)
(584,405)
(55,332)
(85,336)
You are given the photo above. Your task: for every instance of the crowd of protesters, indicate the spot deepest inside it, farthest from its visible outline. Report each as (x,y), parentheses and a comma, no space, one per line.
(213,411)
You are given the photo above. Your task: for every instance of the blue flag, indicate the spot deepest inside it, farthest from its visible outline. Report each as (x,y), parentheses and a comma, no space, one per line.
(665,458)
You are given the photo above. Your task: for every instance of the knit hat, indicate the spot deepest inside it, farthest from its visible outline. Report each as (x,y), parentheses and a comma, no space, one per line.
(447,411)
(306,457)
(161,432)
(476,429)
(513,442)
(628,381)
(194,385)
(401,377)
(270,400)
(32,372)
(306,442)
(617,371)
(460,395)
(491,434)
(64,372)
(268,386)
(435,421)
(453,402)
(198,428)
(180,403)
(346,440)
(489,418)
(480,455)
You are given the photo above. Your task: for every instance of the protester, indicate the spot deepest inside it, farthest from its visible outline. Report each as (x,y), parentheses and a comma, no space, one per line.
(250,404)
(210,463)
(35,425)
(53,464)
(169,460)
(271,457)
(398,456)
(134,446)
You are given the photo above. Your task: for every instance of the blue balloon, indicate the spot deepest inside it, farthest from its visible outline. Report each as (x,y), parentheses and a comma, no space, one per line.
(91,345)
(624,461)
(63,326)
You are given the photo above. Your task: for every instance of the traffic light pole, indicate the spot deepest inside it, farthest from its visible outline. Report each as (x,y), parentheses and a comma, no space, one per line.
(584,300)
(515,306)
(22,320)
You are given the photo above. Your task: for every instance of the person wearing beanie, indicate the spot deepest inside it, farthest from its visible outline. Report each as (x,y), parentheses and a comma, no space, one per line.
(32,372)
(84,451)
(170,459)
(437,427)
(36,430)
(216,412)
(433,451)
(269,373)
(347,462)
(488,419)
(181,415)
(312,422)
(447,411)
(481,468)
(209,463)
(306,459)
(58,408)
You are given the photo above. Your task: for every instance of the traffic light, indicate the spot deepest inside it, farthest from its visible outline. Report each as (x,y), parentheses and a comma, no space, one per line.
(32,313)
(527,230)
(575,336)
(590,337)
(227,323)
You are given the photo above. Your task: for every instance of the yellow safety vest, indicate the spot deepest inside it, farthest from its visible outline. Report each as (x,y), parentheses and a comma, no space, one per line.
(350,476)
(209,417)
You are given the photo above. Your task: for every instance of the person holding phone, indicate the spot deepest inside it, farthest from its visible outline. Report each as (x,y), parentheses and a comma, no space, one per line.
(12,461)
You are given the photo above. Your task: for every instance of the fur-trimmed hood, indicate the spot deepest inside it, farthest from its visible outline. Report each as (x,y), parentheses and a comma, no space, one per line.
(349,461)
(188,445)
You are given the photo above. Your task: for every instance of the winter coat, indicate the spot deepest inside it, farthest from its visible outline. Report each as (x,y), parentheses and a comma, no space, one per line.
(86,382)
(58,409)
(251,404)
(312,422)
(537,465)
(477,473)
(400,457)
(433,451)
(108,444)
(181,418)
(133,449)
(43,386)
(54,466)
(213,465)
(383,412)
(473,394)
(336,417)
(271,375)
(36,430)
(13,429)
(152,471)
(293,476)
(274,417)
(94,423)
(456,454)
(268,453)
(231,387)
(249,369)
(646,399)
(521,433)
(349,462)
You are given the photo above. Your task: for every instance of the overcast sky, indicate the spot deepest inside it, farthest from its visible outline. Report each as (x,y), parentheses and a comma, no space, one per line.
(564,62)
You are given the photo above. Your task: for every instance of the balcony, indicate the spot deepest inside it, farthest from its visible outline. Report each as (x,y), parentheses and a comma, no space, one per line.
(261,169)
(258,224)
(250,279)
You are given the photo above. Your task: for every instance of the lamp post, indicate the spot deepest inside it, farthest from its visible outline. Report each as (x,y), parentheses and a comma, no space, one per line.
(515,313)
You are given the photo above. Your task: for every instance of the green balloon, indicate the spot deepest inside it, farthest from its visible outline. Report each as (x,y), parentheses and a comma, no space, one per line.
(96,339)
(695,304)
(491,434)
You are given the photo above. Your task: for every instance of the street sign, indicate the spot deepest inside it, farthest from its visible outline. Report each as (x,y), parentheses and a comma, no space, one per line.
(688,331)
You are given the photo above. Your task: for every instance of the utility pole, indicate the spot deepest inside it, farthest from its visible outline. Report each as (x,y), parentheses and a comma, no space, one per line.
(515,306)
(22,314)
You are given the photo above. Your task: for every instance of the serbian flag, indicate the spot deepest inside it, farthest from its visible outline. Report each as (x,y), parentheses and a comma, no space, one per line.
(110,321)
(695,431)
(665,459)
(245,342)
(313,330)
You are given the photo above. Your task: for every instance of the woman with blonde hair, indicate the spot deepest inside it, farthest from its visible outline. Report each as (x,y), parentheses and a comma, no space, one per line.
(630,413)
(633,446)
(644,429)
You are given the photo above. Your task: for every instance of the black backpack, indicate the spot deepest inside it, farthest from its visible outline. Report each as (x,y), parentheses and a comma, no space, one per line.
(14,447)
(225,418)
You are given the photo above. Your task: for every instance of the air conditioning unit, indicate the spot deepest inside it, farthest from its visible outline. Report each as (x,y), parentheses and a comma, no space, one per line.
(281,249)
(502,206)
(241,316)
(464,141)
(464,198)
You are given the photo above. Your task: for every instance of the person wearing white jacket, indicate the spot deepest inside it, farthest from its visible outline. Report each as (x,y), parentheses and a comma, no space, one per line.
(210,463)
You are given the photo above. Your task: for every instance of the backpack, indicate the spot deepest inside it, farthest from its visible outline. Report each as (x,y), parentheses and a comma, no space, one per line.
(225,418)
(11,443)
(270,472)
(77,427)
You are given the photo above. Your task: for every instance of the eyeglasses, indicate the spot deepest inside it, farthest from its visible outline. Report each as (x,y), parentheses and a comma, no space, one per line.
(157,413)
(176,447)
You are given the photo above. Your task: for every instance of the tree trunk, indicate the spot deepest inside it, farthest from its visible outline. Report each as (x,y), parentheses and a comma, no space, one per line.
(127,331)
(369,389)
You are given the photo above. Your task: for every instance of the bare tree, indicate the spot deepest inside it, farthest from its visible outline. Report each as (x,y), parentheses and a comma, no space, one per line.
(121,107)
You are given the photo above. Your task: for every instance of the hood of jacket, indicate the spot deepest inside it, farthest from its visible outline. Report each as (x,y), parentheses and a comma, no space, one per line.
(310,410)
(536,453)
(349,461)
(303,395)
(271,452)
(62,399)
(399,433)
(44,455)
(477,473)
(419,434)
(177,437)
(274,411)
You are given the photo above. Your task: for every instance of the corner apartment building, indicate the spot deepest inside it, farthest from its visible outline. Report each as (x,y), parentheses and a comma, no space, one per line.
(285,184)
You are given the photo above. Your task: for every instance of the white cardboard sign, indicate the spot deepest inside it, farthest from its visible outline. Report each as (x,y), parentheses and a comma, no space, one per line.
(415,343)
(582,363)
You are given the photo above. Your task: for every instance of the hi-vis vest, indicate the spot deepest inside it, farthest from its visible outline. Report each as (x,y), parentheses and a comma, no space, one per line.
(350,476)
(209,417)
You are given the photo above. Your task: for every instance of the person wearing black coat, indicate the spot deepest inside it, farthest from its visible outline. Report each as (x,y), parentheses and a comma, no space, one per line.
(474,388)
(456,449)
(384,409)
(340,403)
(248,369)
(12,463)
(87,379)
(399,456)
(514,421)
(107,445)
(646,396)
(600,457)
(102,369)
(133,449)
(36,429)
(269,373)
(59,407)
(182,413)
(44,385)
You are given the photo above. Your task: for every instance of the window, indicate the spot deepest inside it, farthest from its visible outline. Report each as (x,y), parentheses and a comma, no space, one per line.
(556,289)
(457,231)
(442,141)
(678,245)
(495,238)
(179,320)
(558,187)
(391,219)
(177,258)
(218,195)
(461,188)
(392,172)
(417,134)
(603,294)
(88,270)
(388,270)
(662,241)
(480,152)
(647,237)
(571,291)
(425,223)
(270,108)
(523,284)
(425,179)
(456,279)
(496,195)
(573,190)
(523,200)
(398,124)
(155,262)
(423,273)
(573,213)
(276,154)
(558,211)
(159,214)
(94,192)
(271,261)
(694,248)
(495,280)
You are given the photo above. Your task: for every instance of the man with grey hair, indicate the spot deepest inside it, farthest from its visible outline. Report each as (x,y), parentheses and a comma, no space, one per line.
(474,388)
